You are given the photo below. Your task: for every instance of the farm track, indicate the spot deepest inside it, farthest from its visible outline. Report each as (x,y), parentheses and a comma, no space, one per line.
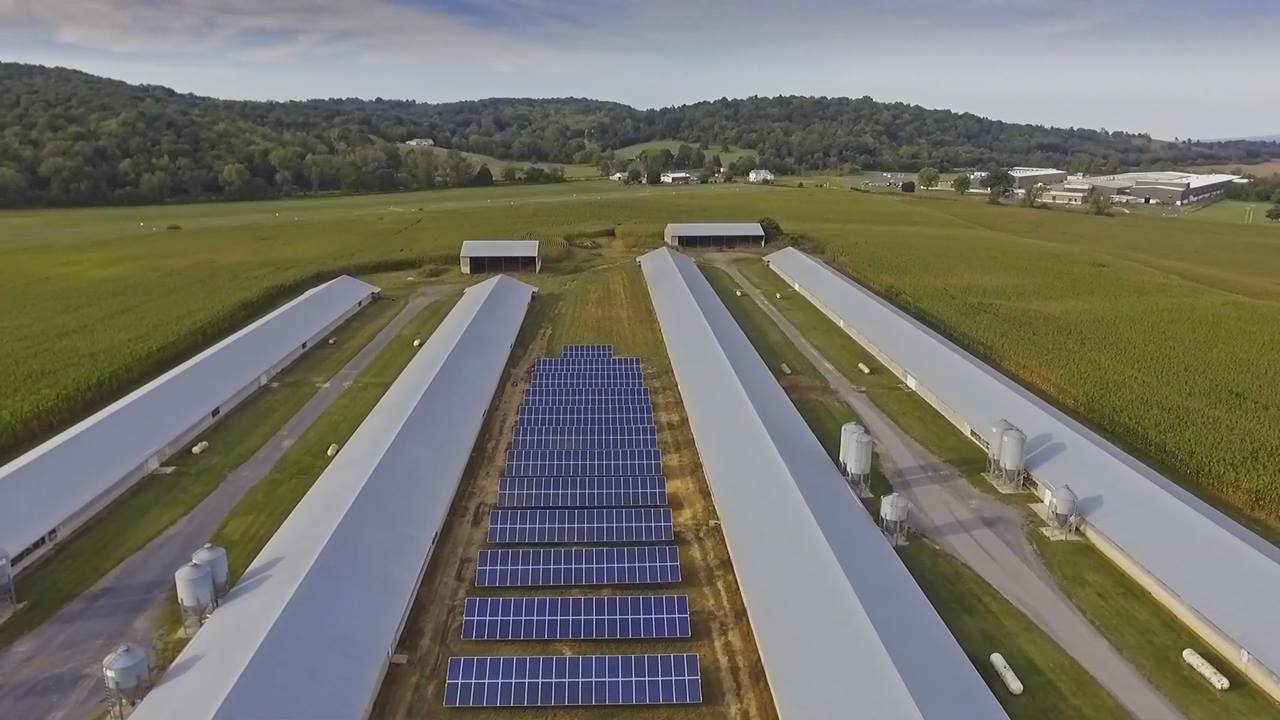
(53,672)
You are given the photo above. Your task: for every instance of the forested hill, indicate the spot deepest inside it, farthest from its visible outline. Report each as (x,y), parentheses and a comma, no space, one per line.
(67,137)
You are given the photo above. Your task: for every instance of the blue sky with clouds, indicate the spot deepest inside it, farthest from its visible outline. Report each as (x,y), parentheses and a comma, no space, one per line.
(1171,67)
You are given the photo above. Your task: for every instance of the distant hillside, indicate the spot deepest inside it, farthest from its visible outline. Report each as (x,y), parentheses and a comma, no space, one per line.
(72,138)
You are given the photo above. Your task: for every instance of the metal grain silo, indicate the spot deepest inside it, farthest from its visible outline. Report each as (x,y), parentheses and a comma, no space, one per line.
(1063,504)
(847,433)
(860,455)
(196,594)
(1012,454)
(126,672)
(7,589)
(215,558)
(893,516)
(997,440)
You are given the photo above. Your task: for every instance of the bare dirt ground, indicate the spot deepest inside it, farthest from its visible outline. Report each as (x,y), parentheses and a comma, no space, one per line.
(608,306)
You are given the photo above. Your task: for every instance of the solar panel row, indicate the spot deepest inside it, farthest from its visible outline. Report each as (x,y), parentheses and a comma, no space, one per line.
(582,492)
(564,681)
(599,421)
(586,362)
(608,525)
(588,350)
(576,618)
(538,567)
(587,378)
(641,409)
(578,443)
(586,391)
(523,431)
(601,401)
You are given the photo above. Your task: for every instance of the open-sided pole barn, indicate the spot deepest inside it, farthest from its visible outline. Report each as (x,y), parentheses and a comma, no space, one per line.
(486,256)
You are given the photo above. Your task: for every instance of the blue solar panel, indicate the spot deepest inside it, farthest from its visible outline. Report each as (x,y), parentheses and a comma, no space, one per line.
(588,411)
(583,492)
(615,617)
(639,400)
(599,421)
(537,567)
(582,463)
(561,680)
(584,363)
(596,525)
(593,351)
(568,442)
(604,391)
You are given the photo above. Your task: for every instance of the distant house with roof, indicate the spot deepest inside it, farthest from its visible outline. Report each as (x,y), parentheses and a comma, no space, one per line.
(760,176)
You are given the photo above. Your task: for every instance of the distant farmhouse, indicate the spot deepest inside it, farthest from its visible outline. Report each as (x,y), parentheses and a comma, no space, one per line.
(618,177)
(676,178)
(760,176)
(420,142)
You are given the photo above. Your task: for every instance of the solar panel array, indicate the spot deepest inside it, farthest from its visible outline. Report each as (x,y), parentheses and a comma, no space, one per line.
(584,468)
(549,681)
(607,525)
(582,492)
(615,617)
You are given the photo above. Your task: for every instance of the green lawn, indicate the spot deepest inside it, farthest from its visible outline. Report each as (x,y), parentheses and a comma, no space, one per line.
(571,171)
(984,622)
(632,151)
(1148,635)
(1239,212)
(158,501)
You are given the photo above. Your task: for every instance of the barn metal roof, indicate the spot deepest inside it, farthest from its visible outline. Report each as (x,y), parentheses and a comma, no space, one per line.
(715,229)
(1228,575)
(499,248)
(308,630)
(52,482)
(839,621)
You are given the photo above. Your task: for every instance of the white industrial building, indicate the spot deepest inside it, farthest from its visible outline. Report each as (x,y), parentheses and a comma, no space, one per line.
(842,628)
(676,178)
(309,630)
(713,234)
(1212,573)
(485,256)
(49,492)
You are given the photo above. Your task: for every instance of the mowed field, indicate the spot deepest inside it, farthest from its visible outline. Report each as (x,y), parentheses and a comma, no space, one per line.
(1160,333)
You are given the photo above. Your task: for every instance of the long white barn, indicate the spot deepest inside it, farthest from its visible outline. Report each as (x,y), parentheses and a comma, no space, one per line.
(53,489)
(309,629)
(1218,577)
(843,629)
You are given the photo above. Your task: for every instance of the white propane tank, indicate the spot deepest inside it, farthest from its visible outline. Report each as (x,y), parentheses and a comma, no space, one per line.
(1206,669)
(863,367)
(738,293)
(333,450)
(333,341)
(199,447)
(778,295)
(417,342)
(1006,674)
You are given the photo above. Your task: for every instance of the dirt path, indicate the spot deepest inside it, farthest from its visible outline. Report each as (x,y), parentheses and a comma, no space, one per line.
(986,534)
(54,672)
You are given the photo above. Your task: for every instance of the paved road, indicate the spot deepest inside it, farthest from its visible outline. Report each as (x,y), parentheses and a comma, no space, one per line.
(54,672)
(983,532)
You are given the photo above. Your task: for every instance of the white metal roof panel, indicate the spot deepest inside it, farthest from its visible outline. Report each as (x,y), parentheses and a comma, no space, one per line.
(839,621)
(500,248)
(1226,573)
(716,229)
(52,482)
(309,628)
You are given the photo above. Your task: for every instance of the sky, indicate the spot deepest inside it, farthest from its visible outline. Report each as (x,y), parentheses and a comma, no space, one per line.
(1173,68)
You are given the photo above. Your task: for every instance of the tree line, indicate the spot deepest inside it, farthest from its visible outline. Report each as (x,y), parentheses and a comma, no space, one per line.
(67,137)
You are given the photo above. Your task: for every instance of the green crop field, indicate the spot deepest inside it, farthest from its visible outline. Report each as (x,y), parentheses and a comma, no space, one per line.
(631,151)
(496,165)
(1239,212)
(1161,334)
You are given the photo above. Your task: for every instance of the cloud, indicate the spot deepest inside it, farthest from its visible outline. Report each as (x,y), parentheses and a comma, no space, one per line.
(264,30)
